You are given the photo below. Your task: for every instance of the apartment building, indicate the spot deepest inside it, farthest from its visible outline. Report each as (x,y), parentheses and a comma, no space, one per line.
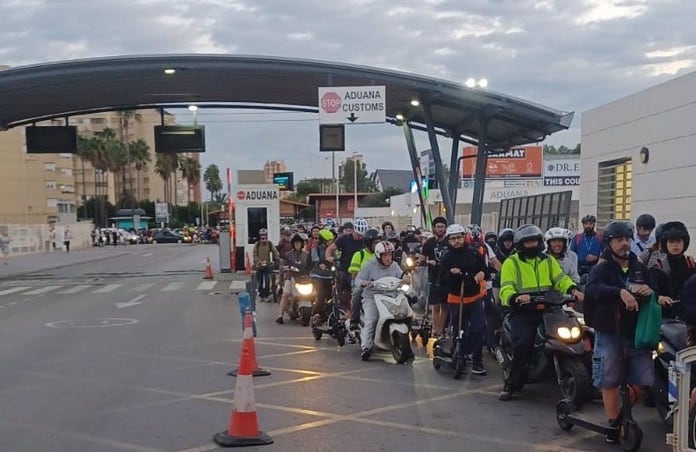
(271,167)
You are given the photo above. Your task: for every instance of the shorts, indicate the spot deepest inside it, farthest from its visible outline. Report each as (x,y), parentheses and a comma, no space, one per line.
(607,369)
(287,286)
(437,295)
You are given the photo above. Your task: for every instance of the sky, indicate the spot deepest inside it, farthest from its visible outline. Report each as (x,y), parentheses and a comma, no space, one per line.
(570,55)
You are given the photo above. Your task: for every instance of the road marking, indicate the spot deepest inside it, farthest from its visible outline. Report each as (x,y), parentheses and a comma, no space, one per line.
(108,288)
(173,287)
(75,289)
(41,290)
(134,302)
(13,290)
(141,287)
(206,285)
(238,286)
(147,254)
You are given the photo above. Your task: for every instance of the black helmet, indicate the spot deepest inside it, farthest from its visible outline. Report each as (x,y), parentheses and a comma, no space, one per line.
(646,221)
(528,232)
(589,219)
(617,228)
(491,237)
(371,236)
(674,230)
(506,234)
(658,232)
(298,237)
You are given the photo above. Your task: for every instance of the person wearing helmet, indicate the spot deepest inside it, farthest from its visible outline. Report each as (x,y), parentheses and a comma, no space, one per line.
(670,272)
(411,242)
(588,245)
(643,238)
(284,245)
(393,238)
(298,258)
(491,239)
(264,255)
(321,274)
(380,266)
(502,250)
(358,261)
(557,246)
(345,247)
(361,226)
(611,303)
(525,273)
(462,270)
(433,250)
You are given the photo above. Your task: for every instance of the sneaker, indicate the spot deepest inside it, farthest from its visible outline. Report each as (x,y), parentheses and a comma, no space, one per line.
(478,369)
(354,326)
(506,395)
(351,339)
(613,437)
(279,320)
(365,354)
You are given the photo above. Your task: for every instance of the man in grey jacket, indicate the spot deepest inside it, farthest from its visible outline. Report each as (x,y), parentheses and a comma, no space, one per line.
(380,266)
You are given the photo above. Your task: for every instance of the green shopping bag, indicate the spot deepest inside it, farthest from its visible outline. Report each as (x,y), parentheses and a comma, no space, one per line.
(647,334)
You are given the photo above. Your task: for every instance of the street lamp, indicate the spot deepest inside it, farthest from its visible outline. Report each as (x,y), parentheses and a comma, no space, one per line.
(473,83)
(355,184)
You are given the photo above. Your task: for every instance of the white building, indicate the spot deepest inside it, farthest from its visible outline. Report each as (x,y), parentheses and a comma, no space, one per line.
(639,153)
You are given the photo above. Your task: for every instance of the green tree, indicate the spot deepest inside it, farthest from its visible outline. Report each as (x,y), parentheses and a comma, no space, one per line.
(191,171)
(165,166)
(379,199)
(549,149)
(212,180)
(365,185)
(140,157)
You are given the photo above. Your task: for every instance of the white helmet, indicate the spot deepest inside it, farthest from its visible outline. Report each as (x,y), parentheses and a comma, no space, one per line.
(455,229)
(383,247)
(361,226)
(556,233)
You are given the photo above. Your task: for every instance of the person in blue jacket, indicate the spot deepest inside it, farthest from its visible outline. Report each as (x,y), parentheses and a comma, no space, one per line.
(588,245)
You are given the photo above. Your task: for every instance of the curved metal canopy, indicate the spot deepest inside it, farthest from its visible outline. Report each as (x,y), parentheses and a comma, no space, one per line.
(55,90)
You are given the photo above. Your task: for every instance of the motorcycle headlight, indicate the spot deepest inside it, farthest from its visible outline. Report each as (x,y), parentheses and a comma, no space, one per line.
(660,348)
(304,289)
(575,332)
(410,262)
(405,288)
(399,311)
(564,332)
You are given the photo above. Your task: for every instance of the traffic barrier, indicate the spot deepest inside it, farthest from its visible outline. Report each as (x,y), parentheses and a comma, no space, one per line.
(243,428)
(208,270)
(248,339)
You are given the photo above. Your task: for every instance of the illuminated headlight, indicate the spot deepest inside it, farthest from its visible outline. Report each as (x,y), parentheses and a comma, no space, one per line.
(660,348)
(405,288)
(304,289)
(564,333)
(581,319)
(575,332)
(410,262)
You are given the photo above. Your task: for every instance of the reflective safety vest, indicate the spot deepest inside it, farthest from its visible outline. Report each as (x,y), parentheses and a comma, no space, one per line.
(527,276)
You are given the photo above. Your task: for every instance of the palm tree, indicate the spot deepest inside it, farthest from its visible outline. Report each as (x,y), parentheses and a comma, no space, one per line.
(191,171)
(124,119)
(139,157)
(166,166)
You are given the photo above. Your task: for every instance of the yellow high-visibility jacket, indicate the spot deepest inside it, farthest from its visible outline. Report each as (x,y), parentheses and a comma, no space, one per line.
(539,274)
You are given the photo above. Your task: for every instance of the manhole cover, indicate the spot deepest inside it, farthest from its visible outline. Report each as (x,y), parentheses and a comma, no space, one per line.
(96,323)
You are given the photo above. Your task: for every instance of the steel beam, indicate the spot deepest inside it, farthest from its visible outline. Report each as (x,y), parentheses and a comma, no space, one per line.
(454,172)
(480,174)
(439,169)
(415,166)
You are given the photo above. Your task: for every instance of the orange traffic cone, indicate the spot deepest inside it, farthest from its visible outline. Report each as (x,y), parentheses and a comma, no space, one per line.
(248,339)
(208,270)
(243,428)
(247,264)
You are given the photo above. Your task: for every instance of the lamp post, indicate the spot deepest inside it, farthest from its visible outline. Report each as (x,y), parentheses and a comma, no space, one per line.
(335,182)
(355,184)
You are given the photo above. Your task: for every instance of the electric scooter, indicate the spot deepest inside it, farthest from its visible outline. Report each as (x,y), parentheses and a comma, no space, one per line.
(446,351)
(335,316)
(302,296)
(673,337)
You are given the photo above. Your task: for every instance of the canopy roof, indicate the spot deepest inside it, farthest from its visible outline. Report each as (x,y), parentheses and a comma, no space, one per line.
(61,89)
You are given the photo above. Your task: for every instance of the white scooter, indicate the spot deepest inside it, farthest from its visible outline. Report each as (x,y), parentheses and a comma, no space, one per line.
(395,317)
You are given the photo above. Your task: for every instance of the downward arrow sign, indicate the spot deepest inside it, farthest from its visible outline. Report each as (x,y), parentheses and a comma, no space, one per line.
(134,302)
(352,117)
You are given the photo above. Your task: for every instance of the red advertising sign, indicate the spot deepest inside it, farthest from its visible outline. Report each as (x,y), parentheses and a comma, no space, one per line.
(525,161)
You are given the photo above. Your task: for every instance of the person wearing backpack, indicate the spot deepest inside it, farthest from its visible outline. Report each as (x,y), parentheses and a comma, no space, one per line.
(588,245)
(611,303)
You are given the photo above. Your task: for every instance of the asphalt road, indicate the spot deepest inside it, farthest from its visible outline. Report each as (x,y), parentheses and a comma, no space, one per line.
(130,352)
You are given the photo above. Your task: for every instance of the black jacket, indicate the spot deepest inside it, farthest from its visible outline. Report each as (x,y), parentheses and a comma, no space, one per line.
(603,302)
(668,277)
(469,261)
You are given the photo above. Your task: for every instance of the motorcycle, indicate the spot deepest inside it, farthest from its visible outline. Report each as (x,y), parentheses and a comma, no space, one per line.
(271,273)
(558,345)
(395,318)
(335,312)
(302,296)
(673,337)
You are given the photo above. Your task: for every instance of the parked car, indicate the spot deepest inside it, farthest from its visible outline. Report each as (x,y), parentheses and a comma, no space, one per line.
(166,237)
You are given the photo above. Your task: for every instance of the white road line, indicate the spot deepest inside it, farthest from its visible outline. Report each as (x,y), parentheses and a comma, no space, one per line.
(41,290)
(135,301)
(141,287)
(13,290)
(206,285)
(108,288)
(75,289)
(173,287)
(237,286)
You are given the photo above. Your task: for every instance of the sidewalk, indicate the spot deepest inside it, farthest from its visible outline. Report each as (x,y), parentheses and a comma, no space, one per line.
(30,263)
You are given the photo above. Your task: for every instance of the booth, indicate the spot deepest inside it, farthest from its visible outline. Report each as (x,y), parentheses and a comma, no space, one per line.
(256,207)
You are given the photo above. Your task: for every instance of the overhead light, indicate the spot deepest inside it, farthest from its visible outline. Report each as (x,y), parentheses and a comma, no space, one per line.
(193,108)
(415,102)
(483,83)
(470,83)
(400,117)
(169,71)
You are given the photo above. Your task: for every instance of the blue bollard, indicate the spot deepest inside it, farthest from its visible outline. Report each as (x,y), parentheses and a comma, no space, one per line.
(244,306)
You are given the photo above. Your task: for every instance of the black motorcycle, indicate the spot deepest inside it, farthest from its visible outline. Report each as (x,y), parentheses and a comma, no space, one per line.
(335,313)
(673,337)
(558,346)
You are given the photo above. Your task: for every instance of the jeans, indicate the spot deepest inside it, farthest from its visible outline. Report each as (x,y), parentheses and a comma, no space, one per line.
(524,326)
(473,326)
(370,317)
(323,289)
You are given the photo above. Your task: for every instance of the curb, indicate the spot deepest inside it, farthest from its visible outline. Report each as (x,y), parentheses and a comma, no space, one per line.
(55,267)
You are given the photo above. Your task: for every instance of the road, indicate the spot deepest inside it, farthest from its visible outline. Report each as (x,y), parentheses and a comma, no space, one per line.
(129,350)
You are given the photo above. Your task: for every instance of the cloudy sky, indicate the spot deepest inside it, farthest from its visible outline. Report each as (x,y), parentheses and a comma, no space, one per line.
(571,55)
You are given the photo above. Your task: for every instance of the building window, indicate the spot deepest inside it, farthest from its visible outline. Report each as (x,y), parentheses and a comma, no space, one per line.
(64,207)
(51,202)
(66,171)
(614,191)
(49,166)
(97,121)
(50,185)
(66,156)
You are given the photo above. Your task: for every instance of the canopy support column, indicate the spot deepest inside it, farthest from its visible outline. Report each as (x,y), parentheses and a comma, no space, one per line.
(415,166)
(480,174)
(454,172)
(439,169)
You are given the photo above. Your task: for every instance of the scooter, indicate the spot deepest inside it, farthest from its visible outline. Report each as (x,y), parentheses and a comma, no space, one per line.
(673,338)
(395,318)
(446,351)
(302,296)
(558,345)
(335,315)
(272,273)
(624,427)
(421,326)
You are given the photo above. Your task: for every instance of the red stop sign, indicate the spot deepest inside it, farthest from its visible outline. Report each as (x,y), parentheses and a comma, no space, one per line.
(330,102)
(241,195)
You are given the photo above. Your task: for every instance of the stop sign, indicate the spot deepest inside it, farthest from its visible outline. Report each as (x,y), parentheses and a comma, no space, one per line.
(241,195)
(330,102)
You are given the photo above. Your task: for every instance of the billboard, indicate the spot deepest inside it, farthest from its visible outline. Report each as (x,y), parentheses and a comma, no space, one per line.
(561,172)
(519,162)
